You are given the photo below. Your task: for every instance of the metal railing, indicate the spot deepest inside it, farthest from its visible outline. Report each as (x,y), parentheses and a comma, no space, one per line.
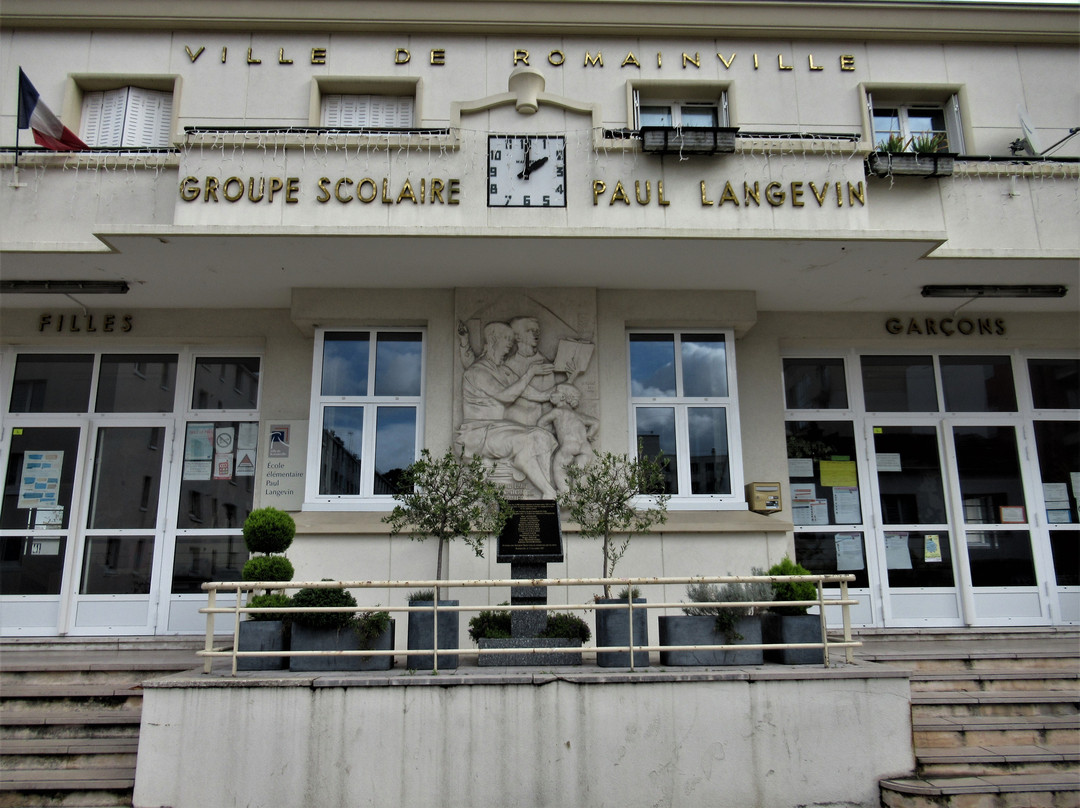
(238,609)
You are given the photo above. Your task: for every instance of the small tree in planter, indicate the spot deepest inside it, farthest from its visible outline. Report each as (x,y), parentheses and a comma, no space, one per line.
(270,532)
(792,624)
(445,498)
(600,498)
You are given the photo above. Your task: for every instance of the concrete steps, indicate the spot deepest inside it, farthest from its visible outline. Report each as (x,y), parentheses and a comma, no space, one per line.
(995,723)
(69,718)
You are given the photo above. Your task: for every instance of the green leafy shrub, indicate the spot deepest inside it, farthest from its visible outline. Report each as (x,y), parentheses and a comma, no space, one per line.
(315,598)
(421,595)
(566,626)
(490,624)
(369,625)
(268,530)
(727,617)
(791,590)
(267,568)
(269,601)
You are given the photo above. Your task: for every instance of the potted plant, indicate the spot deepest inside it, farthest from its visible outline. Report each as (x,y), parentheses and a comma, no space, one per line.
(600,498)
(269,532)
(338,631)
(921,156)
(445,498)
(717,625)
(562,630)
(792,624)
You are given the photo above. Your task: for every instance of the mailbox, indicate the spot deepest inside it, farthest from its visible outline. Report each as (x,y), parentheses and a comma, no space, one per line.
(763,497)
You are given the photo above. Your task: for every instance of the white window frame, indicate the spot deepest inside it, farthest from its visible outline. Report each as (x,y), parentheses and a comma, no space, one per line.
(367,111)
(906,100)
(684,500)
(676,105)
(366,499)
(127,116)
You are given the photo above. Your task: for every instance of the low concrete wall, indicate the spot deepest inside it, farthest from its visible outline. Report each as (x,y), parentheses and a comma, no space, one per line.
(746,738)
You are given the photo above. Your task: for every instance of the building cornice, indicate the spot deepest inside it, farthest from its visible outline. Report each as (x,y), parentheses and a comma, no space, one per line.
(840,19)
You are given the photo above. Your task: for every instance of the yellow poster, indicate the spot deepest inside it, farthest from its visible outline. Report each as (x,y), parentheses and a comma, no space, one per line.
(838,472)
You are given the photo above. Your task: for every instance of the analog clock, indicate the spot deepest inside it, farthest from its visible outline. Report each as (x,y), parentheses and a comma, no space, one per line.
(526,171)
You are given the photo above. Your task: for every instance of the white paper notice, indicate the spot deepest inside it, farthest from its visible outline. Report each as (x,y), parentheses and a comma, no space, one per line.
(800,467)
(1074,478)
(224,440)
(810,512)
(247,435)
(200,442)
(197,469)
(223,466)
(803,491)
(1059,517)
(897,555)
(888,461)
(1055,491)
(39,485)
(849,555)
(846,506)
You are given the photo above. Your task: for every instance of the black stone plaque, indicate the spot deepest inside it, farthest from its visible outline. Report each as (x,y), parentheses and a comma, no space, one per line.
(532,534)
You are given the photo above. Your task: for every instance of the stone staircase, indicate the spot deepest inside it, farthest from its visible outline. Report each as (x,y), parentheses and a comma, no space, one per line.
(69,717)
(995,718)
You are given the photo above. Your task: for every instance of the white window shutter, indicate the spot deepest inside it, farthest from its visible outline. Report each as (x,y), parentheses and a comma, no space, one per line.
(331,110)
(91,117)
(637,109)
(148,118)
(103,117)
(953,125)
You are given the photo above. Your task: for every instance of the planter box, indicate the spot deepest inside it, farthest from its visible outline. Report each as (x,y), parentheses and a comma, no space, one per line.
(688,139)
(263,635)
(613,628)
(794,628)
(343,639)
(687,630)
(910,164)
(528,658)
(422,636)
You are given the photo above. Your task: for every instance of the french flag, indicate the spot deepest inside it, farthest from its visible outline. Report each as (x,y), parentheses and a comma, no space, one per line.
(48,131)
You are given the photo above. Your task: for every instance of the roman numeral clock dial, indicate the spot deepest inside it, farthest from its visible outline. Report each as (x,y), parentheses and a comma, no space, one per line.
(526,171)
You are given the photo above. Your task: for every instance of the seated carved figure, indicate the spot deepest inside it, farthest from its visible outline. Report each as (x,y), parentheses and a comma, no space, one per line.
(489,387)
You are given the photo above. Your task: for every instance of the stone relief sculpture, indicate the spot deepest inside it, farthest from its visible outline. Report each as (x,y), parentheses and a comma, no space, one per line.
(519,407)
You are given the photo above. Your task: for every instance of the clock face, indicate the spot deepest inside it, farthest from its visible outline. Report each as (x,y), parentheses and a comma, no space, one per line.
(526,171)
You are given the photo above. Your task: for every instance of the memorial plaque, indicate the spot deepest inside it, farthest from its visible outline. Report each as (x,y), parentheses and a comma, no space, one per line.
(532,534)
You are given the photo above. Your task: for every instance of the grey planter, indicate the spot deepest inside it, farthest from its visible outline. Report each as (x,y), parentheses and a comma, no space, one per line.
(524,659)
(343,639)
(688,139)
(422,636)
(613,628)
(910,164)
(701,630)
(263,635)
(794,628)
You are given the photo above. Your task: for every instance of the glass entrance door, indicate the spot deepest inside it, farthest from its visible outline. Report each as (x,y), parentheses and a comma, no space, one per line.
(914,542)
(119,548)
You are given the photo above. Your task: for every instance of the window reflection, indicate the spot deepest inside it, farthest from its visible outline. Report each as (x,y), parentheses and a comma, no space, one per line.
(199,559)
(395,447)
(52,383)
(342,442)
(815,384)
(909,475)
(899,384)
(978,384)
(704,365)
(137,383)
(345,363)
(988,465)
(397,364)
(1001,558)
(652,365)
(656,436)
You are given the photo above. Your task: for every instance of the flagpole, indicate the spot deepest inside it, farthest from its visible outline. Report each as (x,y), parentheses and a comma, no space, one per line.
(18,117)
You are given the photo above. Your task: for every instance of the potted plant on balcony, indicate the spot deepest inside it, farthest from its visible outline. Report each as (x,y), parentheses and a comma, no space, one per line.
(717,625)
(792,624)
(269,532)
(445,498)
(600,497)
(338,631)
(921,156)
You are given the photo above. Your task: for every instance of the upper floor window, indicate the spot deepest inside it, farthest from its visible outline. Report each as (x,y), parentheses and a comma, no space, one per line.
(127,116)
(656,111)
(906,122)
(367,111)
(683,403)
(366,400)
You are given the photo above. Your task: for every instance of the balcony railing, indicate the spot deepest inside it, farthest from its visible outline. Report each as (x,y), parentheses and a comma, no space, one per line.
(236,611)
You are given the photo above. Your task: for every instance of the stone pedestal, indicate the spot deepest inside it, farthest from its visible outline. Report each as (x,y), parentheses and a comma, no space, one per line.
(527,623)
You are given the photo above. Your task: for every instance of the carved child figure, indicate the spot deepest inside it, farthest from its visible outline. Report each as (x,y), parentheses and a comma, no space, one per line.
(573,430)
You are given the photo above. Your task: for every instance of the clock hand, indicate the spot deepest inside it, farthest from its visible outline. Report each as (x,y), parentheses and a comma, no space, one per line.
(530,167)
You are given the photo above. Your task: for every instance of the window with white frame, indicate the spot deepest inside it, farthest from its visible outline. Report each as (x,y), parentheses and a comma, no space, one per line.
(366,400)
(684,407)
(127,116)
(903,124)
(650,111)
(367,111)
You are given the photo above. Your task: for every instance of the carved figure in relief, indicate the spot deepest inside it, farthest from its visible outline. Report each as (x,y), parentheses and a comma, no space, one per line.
(573,430)
(489,388)
(529,408)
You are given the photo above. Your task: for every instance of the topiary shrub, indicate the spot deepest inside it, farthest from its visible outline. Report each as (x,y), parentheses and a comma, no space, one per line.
(269,602)
(566,626)
(268,530)
(791,590)
(267,568)
(490,624)
(316,598)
